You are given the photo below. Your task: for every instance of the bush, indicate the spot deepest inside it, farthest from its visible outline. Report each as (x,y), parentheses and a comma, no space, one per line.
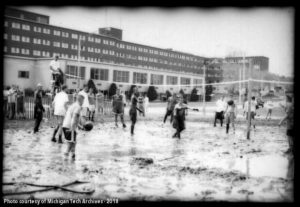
(152,94)
(208,92)
(194,96)
(92,85)
(29,92)
(112,90)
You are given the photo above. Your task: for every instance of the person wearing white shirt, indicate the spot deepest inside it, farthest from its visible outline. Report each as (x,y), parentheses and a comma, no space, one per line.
(85,105)
(60,107)
(269,105)
(221,106)
(146,103)
(54,66)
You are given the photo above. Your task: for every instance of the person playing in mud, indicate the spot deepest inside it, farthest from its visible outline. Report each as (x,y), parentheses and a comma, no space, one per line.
(56,73)
(92,102)
(179,116)
(289,118)
(133,109)
(72,120)
(172,101)
(60,107)
(118,107)
(269,106)
(221,106)
(230,114)
(85,106)
(38,108)
(141,104)
(253,108)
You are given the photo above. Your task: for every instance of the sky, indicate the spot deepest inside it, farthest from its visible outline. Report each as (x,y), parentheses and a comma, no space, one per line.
(260,31)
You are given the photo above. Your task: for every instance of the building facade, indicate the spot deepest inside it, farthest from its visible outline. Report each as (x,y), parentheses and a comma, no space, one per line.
(32,41)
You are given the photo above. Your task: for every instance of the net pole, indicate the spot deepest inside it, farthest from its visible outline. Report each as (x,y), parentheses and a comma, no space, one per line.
(240,85)
(203,88)
(249,100)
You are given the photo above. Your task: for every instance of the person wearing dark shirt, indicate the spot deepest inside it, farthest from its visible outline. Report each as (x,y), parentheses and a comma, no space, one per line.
(170,107)
(118,107)
(133,109)
(38,108)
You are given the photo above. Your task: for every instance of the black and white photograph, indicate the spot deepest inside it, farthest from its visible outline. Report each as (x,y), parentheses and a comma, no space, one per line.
(109,104)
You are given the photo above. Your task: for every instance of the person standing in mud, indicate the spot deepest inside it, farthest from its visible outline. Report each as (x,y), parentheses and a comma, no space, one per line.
(72,120)
(253,107)
(38,108)
(118,107)
(133,109)
(172,101)
(230,114)
(141,104)
(179,116)
(289,118)
(221,105)
(92,104)
(60,107)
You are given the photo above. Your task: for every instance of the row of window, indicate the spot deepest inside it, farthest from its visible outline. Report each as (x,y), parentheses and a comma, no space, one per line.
(123,76)
(56,32)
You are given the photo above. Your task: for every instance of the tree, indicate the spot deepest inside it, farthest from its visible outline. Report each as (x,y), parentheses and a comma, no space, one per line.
(182,92)
(92,85)
(208,92)
(152,94)
(194,96)
(112,89)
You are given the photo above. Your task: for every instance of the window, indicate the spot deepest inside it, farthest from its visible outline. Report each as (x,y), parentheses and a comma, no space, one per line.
(64,45)
(36,53)
(5,24)
(23,74)
(111,52)
(56,32)
(97,40)
(74,47)
(16,25)
(99,74)
(25,39)
(121,76)
(140,78)
(73,71)
(74,36)
(5,49)
(37,29)
(56,44)
(111,43)
(46,54)
(157,79)
(65,34)
(42,20)
(197,81)
(105,42)
(97,50)
(15,37)
(25,51)
(15,50)
(172,80)
(185,81)
(46,42)
(5,36)
(82,37)
(46,31)
(25,27)
(91,39)
(36,41)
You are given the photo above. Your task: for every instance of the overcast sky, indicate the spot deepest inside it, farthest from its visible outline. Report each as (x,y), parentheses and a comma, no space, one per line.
(210,33)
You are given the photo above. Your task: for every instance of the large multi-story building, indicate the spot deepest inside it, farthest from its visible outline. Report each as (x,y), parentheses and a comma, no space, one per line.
(30,42)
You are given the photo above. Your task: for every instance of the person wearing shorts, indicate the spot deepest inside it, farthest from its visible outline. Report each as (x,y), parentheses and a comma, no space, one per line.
(269,105)
(221,105)
(118,107)
(253,105)
(85,105)
(92,106)
(60,107)
(133,109)
(172,101)
(230,114)
(71,121)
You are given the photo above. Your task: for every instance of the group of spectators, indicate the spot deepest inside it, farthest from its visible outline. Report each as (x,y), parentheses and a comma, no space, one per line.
(13,103)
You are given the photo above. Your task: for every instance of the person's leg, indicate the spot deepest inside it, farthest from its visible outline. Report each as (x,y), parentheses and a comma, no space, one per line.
(13,110)
(172,116)
(116,120)
(122,120)
(93,114)
(61,118)
(215,122)
(73,147)
(227,123)
(54,133)
(133,121)
(166,116)
(38,121)
(221,118)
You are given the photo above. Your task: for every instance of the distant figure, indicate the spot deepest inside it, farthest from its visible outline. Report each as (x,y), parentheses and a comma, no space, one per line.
(56,72)
(38,108)
(118,107)
(230,114)
(133,109)
(85,105)
(20,104)
(253,105)
(269,106)
(92,104)
(221,106)
(289,118)
(100,102)
(146,103)
(5,101)
(12,99)
(141,104)
(172,101)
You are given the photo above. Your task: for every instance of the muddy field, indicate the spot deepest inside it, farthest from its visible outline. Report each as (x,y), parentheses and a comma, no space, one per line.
(206,164)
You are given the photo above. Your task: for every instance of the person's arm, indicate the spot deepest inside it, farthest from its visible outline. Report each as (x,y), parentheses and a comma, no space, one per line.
(74,124)
(282,120)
